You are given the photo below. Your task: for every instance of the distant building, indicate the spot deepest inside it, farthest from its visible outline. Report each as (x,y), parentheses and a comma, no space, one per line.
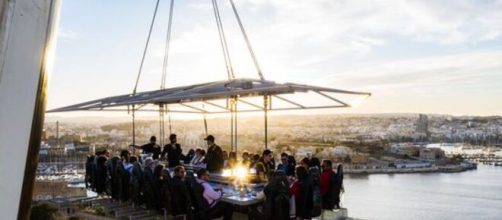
(423,124)
(431,154)
(404,149)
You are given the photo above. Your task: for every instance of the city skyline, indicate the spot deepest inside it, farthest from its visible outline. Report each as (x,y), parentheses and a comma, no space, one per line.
(414,57)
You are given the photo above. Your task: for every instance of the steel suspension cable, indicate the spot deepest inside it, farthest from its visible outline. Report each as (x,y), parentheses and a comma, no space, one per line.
(223,41)
(164,67)
(248,43)
(140,69)
(146,47)
(166,50)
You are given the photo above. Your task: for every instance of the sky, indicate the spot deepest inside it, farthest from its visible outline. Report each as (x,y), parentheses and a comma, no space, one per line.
(436,57)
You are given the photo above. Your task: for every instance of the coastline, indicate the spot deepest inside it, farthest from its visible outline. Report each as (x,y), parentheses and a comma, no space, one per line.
(434,169)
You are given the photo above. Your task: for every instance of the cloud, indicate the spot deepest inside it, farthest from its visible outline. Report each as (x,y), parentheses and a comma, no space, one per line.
(474,69)
(442,22)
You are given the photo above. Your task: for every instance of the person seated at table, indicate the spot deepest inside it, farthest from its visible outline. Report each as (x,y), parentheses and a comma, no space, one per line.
(198,159)
(189,156)
(315,176)
(225,158)
(305,162)
(327,185)
(254,160)
(232,160)
(214,155)
(180,197)
(276,199)
(263,166)
(338,186)
(217,208)
(285,166)
(123,173)
(173,151)
(150,148)
(246,160)
(302,190)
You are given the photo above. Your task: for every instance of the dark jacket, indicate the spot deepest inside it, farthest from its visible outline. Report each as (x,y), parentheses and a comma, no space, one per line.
(173,154)
(214,158)
(303,192)
(276,205)
(180,198)
(123,180)
(288,169)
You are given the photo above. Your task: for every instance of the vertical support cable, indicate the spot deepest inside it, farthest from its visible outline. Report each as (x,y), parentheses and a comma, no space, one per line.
(205,121)
(235,121)
(161,124)
(265,111)
(169,120)
(248,43)
(133,128)
(231,124)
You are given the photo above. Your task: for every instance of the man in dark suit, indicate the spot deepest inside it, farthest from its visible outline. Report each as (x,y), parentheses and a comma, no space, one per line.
(214,155)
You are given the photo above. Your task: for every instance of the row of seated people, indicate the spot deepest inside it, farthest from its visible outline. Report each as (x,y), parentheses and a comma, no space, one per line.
(307,190)
(127,179)
(313,186)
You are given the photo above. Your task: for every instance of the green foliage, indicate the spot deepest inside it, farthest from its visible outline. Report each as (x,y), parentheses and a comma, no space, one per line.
(43,212)
(100,210)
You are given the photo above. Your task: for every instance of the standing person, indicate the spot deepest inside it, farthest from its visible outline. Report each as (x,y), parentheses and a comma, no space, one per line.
(214,155)
(327,185)
(173,151)
(338,186)
(150,148)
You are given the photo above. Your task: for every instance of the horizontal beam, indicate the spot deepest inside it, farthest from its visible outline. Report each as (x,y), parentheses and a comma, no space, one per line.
(251,104)
(332,98)
(216,105)
(219,112)
(193,107)
(289,101)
